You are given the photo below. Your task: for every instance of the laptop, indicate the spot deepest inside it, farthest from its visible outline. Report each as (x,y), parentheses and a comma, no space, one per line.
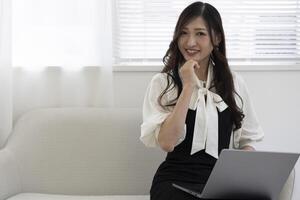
(240,174)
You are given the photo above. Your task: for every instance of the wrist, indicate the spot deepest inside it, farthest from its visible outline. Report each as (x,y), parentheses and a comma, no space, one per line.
(188,87)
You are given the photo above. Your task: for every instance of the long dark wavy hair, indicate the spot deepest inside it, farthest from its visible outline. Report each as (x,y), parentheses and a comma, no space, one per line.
(173,59)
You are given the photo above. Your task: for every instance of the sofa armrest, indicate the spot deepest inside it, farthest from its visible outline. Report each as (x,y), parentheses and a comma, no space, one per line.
(287,190)
(9,179)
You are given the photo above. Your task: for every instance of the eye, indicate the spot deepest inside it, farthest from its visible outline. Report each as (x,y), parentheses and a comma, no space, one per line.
(200,33)
(183,33)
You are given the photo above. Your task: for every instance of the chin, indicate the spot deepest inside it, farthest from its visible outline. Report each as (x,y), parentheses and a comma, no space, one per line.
(195,59)
(192,58)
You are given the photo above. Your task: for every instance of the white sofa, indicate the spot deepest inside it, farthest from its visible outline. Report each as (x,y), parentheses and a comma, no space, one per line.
(80,153)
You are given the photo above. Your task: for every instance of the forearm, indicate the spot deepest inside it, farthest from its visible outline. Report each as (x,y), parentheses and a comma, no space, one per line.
(172,128)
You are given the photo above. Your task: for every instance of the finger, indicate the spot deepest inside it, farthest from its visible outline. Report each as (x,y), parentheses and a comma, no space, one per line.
(197,65)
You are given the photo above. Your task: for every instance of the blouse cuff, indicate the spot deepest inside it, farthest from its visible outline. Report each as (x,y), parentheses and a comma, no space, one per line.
(150,130)
(251,140)
(249,143)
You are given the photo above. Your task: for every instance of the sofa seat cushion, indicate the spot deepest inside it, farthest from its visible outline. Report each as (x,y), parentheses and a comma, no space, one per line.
(35,196)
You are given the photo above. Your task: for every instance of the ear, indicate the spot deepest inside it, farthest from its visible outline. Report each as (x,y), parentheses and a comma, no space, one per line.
(217,39)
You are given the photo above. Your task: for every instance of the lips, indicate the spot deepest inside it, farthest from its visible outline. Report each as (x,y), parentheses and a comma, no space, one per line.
(192,52)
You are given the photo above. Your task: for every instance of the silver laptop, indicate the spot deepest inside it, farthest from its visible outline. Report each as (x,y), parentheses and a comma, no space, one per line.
(242,174)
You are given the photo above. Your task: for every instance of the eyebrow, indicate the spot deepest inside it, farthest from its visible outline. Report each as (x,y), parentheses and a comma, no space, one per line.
(200,29)
(196,29)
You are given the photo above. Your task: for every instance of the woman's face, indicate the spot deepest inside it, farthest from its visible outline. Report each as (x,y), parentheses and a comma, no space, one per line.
(194,41)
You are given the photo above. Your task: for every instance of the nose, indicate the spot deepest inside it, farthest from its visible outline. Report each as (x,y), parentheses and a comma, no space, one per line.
(191,41)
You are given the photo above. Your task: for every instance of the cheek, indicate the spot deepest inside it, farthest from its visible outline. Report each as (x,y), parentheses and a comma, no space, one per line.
(180,42)
(210,48)
(208,45)
(180,45)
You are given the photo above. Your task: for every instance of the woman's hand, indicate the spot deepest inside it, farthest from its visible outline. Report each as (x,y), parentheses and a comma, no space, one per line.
(248,148)
(187,73)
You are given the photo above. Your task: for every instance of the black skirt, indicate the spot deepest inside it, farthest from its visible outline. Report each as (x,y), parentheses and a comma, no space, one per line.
(165,191)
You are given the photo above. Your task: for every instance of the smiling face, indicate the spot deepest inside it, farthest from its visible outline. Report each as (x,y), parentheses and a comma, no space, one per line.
(194,41)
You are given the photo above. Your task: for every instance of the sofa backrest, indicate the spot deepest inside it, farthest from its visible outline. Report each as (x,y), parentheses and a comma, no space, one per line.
(83,151)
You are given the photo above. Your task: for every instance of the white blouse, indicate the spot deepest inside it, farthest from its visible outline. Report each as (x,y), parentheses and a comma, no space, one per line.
(206,122)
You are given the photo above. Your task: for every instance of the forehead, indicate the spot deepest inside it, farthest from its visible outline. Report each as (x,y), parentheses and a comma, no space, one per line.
(196,23)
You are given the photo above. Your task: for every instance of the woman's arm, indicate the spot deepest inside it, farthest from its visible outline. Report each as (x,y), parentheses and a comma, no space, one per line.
(172,128)
(251,131)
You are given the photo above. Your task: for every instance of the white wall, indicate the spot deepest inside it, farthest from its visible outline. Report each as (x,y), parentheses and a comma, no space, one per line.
(275,95)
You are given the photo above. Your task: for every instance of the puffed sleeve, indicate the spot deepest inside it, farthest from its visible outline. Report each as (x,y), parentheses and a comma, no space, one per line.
(153,114)
(251,131)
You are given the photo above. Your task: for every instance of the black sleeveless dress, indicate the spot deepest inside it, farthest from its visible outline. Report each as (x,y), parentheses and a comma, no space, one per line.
(189,170)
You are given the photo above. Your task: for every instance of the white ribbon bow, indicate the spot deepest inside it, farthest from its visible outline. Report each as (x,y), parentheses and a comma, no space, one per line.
(206,130)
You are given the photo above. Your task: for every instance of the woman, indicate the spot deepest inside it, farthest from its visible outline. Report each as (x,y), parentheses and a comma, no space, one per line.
(196,106)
